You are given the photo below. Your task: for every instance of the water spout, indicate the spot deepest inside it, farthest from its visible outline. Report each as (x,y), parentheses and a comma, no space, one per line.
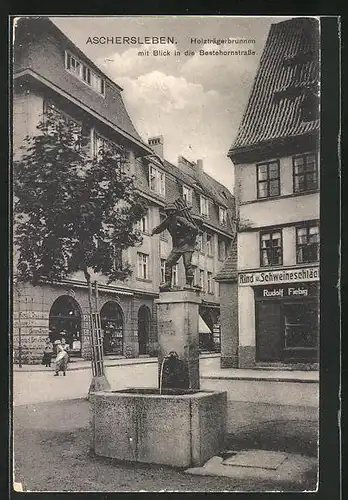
(168,356)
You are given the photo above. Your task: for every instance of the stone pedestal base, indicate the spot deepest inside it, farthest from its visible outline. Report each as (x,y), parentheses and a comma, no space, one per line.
(177,430)
(178,314)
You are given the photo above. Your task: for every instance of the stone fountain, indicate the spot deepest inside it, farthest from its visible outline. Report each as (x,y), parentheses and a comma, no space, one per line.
(176,424)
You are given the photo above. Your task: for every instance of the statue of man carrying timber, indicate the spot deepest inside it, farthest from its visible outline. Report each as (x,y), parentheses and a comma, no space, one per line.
(183,229)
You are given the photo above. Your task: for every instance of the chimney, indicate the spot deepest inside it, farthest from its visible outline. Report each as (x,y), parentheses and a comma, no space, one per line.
(199,167)
(156,143)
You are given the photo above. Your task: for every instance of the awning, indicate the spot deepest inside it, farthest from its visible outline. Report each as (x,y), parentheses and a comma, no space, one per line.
(202,326)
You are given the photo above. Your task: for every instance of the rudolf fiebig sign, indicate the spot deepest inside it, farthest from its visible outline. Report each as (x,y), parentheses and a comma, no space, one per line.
(282,276)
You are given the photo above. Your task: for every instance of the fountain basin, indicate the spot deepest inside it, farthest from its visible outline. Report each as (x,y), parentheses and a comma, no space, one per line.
(182,429)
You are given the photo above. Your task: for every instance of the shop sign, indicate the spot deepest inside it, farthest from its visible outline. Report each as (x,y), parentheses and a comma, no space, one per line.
(293,291)
(281,276)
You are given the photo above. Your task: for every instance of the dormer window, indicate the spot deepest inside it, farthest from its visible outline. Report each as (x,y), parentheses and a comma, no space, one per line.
(84,73)
(157,180)
(187,195)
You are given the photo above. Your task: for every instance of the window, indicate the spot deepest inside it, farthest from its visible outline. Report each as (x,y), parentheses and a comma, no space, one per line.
(305,172)
(100,145)
(221,249)
(301,325)
(57,115)
(204,206)
(163,270)
(157,181)
(268,179)
(222,216)
(164,235)
(210,282)
(143,224)
(84,73)
(307,244)
(199,244)
(195,275)
(271,248)
(209,244)
(187,195)
(201,279)
(143,266)
(175,275)
(217,284)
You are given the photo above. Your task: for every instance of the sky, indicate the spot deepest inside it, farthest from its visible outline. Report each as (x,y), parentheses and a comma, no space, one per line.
(195,101)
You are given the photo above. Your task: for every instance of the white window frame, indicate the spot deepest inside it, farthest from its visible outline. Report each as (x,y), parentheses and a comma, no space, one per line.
(163,270)
(93,80)
(157,181)
(143,266)
(50,107)
(210,281)
(187,194)
(223,242)
(204,206)
(143,223)
(96,151)
(223,216)
(209,245)
(175,275)
(202,279)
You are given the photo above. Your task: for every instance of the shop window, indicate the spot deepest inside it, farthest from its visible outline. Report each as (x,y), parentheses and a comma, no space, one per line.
(271,251)
(307,244)
(268,179)
(305,172)
(301,326)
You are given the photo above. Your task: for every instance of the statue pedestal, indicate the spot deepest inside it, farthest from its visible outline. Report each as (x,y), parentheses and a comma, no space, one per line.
(178,314)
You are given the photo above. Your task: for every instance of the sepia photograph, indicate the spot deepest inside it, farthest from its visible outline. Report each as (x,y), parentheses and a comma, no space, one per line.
(166,253)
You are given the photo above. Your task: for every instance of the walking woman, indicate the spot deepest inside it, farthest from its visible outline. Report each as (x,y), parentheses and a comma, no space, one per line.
(62,359)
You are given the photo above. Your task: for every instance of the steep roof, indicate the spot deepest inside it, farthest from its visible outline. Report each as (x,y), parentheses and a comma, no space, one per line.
(205,182)
(228,270)
(288,69)
(34,51)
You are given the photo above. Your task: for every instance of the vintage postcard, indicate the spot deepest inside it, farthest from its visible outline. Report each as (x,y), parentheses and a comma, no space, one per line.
(166,264)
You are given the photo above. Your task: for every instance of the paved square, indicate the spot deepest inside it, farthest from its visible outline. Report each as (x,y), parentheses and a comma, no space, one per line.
(257,458)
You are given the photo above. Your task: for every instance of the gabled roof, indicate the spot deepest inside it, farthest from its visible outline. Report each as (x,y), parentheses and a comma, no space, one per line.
(290,60)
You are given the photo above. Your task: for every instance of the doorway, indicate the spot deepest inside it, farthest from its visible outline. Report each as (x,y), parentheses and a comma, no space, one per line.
(144,321)
(65,318)
(112,324)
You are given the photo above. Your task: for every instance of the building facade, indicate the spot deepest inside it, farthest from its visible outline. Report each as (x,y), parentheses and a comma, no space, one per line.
(52,75)
(276,160)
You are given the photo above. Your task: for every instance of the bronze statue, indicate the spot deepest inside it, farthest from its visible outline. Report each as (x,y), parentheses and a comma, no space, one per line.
(183,229)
